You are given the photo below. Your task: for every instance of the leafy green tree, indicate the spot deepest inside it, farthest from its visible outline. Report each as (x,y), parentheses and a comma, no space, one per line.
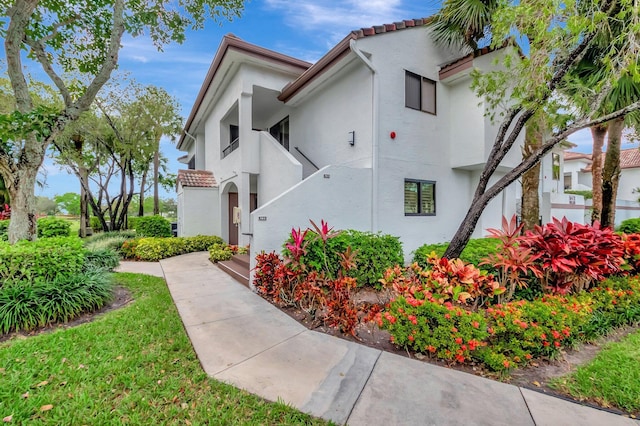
(464,24)
(558,36)
(76,43)
(45,205)
(68,202)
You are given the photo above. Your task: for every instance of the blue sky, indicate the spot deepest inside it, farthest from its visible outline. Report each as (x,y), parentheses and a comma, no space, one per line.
(305,29)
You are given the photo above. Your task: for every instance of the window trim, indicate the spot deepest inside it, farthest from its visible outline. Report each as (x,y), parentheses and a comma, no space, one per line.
(422,80)
(420,182)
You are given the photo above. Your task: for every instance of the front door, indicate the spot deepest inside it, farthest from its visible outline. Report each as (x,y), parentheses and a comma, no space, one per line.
(233,228)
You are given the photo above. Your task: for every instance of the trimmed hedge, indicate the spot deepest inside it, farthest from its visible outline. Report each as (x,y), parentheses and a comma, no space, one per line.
(475,251)
(44,259)
(53,227)
(152,226)
(153,249)
(630,226)
(375,253)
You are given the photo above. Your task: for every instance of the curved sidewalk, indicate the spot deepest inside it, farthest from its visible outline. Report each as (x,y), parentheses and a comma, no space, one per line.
(243,340)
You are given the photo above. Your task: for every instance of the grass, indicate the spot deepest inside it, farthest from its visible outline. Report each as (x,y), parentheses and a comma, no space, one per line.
(134,365)
(612,379)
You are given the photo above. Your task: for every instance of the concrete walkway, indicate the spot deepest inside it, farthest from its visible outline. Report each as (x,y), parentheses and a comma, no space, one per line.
(243,340)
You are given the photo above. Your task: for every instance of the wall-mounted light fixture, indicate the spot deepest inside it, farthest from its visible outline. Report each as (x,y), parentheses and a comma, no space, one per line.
(352,138)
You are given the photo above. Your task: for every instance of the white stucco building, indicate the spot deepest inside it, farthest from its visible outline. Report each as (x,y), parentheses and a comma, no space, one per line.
(383,133)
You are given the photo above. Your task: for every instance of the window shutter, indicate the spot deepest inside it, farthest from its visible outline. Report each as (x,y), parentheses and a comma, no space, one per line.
(428,96)
(412,90)
(427,198)
(411,197)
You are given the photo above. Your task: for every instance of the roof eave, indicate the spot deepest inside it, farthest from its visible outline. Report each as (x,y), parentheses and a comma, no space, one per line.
(229,41)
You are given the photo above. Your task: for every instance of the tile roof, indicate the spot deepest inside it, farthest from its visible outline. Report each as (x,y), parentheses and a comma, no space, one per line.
(568,156)
(629,158)
(341,49)
(197,179)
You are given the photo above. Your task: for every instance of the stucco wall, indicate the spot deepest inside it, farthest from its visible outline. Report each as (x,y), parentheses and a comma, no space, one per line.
(197,211)
(279,170)
(629,180)
(339,195)
(320,125)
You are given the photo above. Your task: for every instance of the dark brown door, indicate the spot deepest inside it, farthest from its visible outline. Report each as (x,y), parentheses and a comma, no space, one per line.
(253,200)
(233,229)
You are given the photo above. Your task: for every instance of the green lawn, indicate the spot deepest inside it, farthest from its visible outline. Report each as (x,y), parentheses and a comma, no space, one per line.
(134,365)
(612,378)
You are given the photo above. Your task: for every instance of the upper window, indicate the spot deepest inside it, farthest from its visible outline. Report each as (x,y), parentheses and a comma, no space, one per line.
(555,166)
(419,93)
(419,197)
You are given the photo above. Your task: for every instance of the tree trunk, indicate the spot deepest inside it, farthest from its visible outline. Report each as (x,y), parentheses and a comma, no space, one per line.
(156,198)
(611,172)
(23,224)
(598,133)
(530,207)
(141,198)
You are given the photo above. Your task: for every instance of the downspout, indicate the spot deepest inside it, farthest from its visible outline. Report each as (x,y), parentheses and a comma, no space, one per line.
(375,133)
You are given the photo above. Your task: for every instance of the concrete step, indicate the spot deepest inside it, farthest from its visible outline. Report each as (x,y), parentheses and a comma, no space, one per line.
(242,260)
(235,270)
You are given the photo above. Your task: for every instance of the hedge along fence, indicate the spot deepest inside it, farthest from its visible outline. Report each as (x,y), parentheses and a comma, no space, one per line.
(374,254)
(43,259)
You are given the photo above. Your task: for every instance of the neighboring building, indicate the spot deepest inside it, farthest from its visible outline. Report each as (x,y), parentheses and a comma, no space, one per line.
(383,133)
(577,173)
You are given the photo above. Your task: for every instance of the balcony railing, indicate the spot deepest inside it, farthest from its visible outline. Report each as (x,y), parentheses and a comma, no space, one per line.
(232,147)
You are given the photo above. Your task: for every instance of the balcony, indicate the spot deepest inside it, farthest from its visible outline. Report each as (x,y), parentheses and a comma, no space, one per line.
(235,144)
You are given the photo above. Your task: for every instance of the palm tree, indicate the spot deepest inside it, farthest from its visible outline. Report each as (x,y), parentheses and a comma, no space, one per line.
(464,24)
(626,91)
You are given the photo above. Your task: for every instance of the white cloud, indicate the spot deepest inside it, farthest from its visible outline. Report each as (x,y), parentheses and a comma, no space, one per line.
(332,19)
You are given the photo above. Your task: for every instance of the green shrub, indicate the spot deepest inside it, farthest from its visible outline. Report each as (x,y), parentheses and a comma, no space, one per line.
(4,230)
(25,306)
(153,226)
(154,249)
(220,252)
(43,259)
(106,259)
(375,253)
(108,240)
(447,332)
(95,224)
(587,194)
(201,242)
(53,227)
(630,226)
(475,251)
(132,222)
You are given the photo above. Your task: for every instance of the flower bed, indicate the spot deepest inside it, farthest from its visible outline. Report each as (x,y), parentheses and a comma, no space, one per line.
(554,287)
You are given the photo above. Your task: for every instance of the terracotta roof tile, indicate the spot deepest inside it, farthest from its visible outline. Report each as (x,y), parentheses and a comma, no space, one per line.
(197,179)
(568,156)
(629,158)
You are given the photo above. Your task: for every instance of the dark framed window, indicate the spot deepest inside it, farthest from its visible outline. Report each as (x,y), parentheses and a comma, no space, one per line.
(419,197)
(419,93)
(280,132)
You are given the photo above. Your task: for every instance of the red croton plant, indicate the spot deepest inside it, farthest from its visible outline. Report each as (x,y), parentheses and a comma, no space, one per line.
(288,281)
(5,212)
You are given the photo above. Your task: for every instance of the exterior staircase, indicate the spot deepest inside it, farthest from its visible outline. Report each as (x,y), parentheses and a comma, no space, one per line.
(237,267)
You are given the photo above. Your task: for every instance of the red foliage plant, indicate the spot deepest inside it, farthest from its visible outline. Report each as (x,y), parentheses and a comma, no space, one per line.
(289,282)
(446,281)
(574,256)
(632,251)
(5,213)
